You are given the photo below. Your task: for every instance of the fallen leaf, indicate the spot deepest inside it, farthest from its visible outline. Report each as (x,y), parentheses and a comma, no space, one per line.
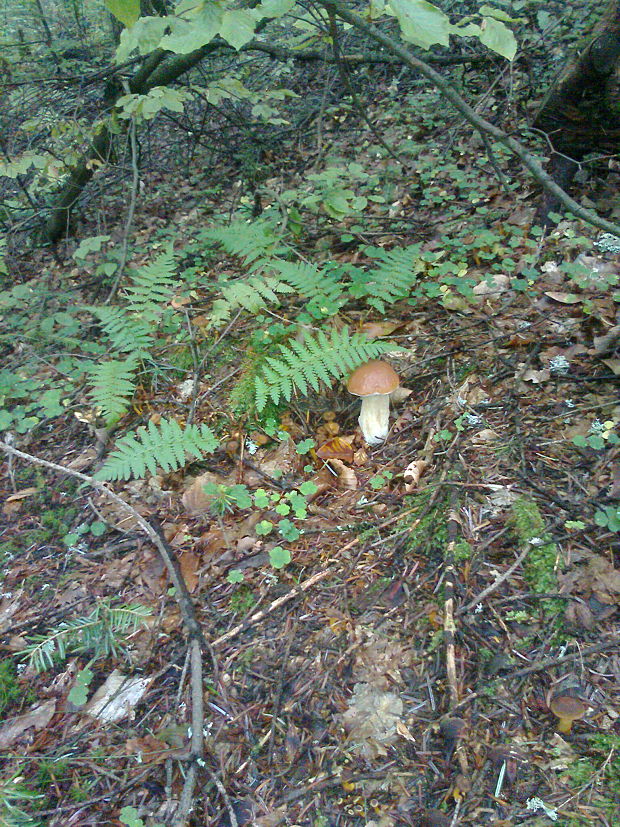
(19,495)
(494,286)
(412,474)
(194,500)
(564,298)
(36,718)
(486,435)
(345,475)
(336,448)
(536,376)
(188,563)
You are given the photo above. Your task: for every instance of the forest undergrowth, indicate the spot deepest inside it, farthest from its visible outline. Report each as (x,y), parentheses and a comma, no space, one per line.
(389,630)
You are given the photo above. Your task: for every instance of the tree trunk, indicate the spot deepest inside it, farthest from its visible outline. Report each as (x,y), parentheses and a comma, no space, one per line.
(581,111)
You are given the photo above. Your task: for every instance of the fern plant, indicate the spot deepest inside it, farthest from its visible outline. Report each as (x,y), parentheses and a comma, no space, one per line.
(317,359)
(130,331)
(152,285)
(113,386)
(249,241)
(392,280)
(166,445)
(127,332)
(252,293)
(100,632)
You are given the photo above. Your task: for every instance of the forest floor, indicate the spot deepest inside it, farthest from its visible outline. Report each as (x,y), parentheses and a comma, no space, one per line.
(443,588)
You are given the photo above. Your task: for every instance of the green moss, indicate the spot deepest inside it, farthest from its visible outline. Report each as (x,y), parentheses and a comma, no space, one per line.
(428,534)
(10,690)
(540,564)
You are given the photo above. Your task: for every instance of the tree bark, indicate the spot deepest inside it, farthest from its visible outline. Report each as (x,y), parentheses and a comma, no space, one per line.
(581,111)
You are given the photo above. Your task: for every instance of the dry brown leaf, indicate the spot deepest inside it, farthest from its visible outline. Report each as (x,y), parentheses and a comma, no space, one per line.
(375,330)
(285,459)
(498,283)
(564,298)
(336,448)
(412,474)
(194,500)
(486,435)
(345,475)
(189,563)
(36,718)
(536,376)
(150,750)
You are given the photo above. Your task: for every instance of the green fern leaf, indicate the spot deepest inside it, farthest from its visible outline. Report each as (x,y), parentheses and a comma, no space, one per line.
(392,280)
(253,293)
(166,445)
(128,333)
(113,385)
(247,240)
(152,285)
(317,360)
(319,286)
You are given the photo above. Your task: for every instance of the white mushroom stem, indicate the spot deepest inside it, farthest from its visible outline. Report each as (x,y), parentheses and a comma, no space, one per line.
(374,418)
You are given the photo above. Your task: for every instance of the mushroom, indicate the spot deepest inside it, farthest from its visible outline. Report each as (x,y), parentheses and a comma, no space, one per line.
(568,709)
(374,381)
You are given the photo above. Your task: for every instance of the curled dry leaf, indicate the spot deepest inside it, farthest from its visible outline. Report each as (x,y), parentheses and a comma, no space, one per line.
(486,435)
(345,475)
(535,376)
(494,286)
(194,500)
(336,448)
(36,718)
(398,396)
(412,474)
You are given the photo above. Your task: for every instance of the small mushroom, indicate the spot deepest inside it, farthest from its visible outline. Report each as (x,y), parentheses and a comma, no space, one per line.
(374,381)
(567,708)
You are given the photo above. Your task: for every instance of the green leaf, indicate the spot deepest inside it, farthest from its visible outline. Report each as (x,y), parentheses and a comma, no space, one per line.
(235,576)
(263,528)
(237,27)
(279,557)
(144,36)
(186,36)
(308,488)
(497,37)
(98,528)
(422,23)
(127,11)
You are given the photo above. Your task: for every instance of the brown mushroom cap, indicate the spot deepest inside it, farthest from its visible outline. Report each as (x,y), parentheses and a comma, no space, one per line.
(374,377)
(568,709)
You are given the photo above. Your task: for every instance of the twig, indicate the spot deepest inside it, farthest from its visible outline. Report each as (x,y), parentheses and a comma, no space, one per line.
(501,579)
(135,181)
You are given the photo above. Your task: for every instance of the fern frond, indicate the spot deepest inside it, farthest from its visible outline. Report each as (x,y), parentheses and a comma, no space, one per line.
(127,333)
(113,385)
(152,285)
(325,294)
(253,293)
(317,360)
(392,280)
(166,445)
(247,240)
